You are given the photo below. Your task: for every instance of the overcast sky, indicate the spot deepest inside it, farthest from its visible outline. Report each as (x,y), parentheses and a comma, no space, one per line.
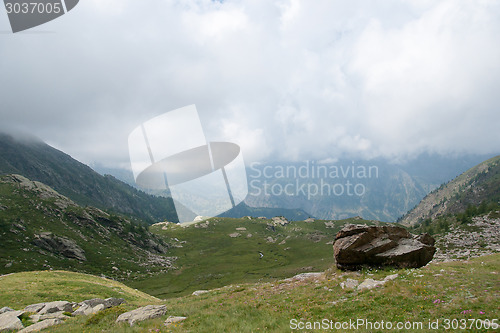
(287,80)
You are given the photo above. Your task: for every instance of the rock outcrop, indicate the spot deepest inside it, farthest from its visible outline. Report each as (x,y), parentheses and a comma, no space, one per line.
(47,314)
(460,242)
(279,220)
(57,306)
(41,325)
(95,305)
(360,245)
(144,313)
(9,321)
(44,315)
(59,245)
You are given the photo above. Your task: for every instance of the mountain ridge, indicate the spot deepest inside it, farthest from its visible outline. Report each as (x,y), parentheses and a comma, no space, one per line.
(478,185)
(38,161)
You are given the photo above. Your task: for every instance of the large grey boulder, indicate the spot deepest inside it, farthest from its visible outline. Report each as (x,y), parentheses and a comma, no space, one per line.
(144,313)
(113,301)
(59,245)
(56,306)
(9,321)
(41,325)
(54,315)
(95,305)
(360,245)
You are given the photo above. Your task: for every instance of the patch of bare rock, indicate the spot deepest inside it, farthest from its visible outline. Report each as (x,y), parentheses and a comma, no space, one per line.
(460,243)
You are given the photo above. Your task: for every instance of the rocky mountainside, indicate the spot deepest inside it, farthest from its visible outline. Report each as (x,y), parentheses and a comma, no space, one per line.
(42,229)
(38,161)
(478,238)
(477,186)
(373,189)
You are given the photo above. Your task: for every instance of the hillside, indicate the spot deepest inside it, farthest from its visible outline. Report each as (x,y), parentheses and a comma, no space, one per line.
(38,161)
(477,186)
(21,289)
(428,299)
(42,229)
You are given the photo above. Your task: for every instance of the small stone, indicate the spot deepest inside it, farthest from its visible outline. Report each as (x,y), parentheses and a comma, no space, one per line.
(330,224)
(370,284)
(174,319)
(306,276)
(349,284)
(270,240)
(391,277)
(199,292)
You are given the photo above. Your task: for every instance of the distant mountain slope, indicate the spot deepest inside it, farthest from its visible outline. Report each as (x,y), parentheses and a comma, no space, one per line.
(390,191)
(478,185)
(42,229)
(384,191)
(243,209)
(39,161)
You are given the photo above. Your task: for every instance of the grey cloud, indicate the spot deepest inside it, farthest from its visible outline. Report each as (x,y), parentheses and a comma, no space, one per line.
(284,79)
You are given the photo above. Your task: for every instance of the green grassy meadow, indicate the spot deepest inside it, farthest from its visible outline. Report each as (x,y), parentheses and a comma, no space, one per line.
(210,258)
(460,292)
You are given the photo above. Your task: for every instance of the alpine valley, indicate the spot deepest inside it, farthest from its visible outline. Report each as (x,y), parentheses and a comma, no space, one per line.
(253,269)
